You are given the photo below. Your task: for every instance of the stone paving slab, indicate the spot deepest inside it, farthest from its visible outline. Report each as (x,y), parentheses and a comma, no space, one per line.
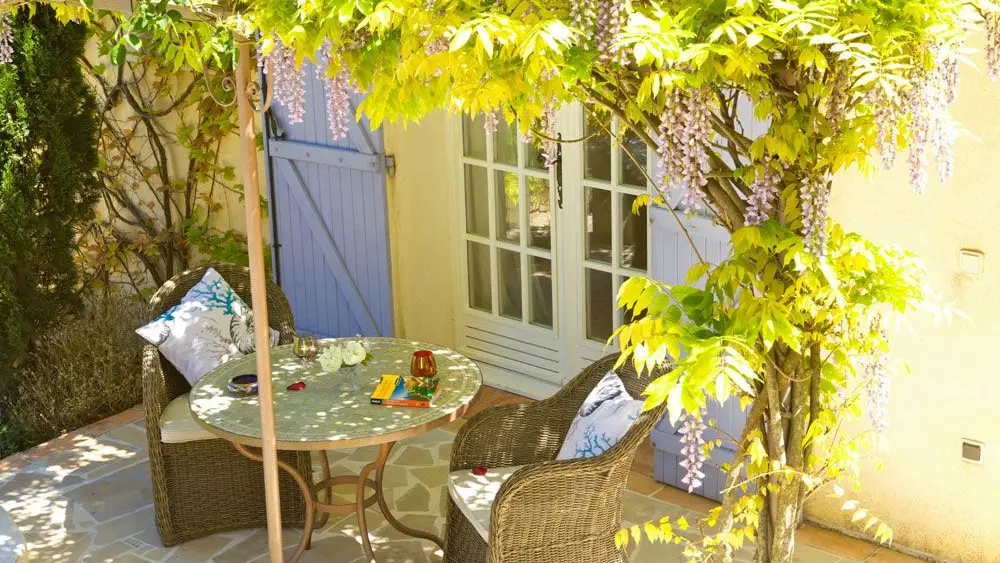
(86,497)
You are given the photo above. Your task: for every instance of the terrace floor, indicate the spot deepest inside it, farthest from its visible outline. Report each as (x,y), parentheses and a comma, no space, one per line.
(86,497)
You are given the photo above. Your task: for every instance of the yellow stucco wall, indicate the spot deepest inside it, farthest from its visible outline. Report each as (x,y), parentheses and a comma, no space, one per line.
(421,207)
(935,502)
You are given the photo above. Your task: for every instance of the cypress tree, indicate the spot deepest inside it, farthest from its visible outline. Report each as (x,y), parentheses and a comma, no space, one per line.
(48,186)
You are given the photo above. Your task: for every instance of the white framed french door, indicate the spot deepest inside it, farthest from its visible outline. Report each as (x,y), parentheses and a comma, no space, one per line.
(538,273)
(509,310)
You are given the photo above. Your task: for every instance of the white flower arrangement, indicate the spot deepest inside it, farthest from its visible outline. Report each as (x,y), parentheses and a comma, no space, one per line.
(348,354)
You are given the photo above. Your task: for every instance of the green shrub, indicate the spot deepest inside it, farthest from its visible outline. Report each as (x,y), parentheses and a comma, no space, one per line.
(86,369)
(48,184)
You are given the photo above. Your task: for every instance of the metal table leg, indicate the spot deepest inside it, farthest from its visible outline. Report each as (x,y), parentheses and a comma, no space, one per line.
(326,507)
(378,466)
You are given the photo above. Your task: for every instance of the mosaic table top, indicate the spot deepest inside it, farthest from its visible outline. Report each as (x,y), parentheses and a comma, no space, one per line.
(327,414)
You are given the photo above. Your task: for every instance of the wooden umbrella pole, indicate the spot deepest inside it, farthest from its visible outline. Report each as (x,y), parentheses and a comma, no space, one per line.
(255,246)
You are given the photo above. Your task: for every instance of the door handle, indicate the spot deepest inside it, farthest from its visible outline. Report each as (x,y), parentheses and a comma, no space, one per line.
(559,172)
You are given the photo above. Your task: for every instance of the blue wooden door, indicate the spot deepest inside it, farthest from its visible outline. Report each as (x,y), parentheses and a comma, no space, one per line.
(671,258)
(329,225)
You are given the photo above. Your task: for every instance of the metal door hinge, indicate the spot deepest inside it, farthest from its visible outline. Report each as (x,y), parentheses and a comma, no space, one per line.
(390,165)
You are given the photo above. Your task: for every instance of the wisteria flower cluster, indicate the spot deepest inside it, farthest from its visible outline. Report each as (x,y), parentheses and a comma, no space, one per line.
(814,194)
(684,143)
(550,147)
(611,19)
(344,354)
(583,15)
(878,386)
(288,80)
(764,192)
(838,103)
(490,122)
(926,102)
(993,45)
(885,111)
(338,95)
(692,432)
(6,39)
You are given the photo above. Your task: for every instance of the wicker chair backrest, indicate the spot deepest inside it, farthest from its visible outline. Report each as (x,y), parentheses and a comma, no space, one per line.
(279,312)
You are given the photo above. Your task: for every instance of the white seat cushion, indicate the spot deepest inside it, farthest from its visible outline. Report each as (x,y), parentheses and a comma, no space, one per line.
(177,423)
(474,494)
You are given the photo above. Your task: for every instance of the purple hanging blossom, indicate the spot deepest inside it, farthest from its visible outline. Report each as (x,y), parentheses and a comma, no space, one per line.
(612,16)
(289,81)
(490,121)
(878,384)
(338,94)
(550,147)
(437,46)
(6,39)
(840,90)
(814,194)
(692,433)
(684,137)
(993,45)
(583,16)
(885,111)
(927,100)
(763,192)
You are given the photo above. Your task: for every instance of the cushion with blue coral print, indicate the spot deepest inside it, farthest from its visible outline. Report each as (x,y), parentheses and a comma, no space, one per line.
(210,326)
(604,417)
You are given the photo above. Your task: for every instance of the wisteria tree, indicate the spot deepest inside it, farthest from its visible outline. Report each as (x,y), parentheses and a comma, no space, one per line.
(791,324)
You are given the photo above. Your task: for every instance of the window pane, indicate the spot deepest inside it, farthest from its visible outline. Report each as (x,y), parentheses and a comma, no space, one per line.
(597,224)
(477,205)
(508,203)
(634,248)
(539,215)
(480,288)
(509,266)
(474,137)
(596,152)
(600,304)
(505,143)
(540,281)
(631,174)
(535,159)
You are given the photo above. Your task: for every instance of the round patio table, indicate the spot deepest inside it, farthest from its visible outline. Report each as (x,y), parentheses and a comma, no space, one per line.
(328,414)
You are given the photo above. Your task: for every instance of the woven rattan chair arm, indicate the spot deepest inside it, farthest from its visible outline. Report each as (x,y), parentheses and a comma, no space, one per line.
(507,435)
(155,397)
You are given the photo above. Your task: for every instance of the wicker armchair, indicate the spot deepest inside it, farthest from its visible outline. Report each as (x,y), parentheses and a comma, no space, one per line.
(206,486)
(549,511)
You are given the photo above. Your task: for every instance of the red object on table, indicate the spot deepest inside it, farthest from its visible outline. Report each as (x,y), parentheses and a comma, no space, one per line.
(423,364)
(297,386)
(479,471)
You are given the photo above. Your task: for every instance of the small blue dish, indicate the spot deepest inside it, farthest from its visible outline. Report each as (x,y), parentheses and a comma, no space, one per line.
(245,384)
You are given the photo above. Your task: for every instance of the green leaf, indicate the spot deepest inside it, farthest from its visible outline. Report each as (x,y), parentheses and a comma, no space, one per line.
(697,272)
(117,54)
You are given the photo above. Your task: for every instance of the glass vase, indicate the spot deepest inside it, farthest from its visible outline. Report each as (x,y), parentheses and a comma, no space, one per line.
(349,380)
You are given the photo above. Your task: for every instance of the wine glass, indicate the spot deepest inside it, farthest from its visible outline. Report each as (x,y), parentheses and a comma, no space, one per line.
(305,346)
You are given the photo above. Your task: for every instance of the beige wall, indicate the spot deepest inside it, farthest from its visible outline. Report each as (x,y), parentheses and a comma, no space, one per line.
(231,214)
(935,502)
(421,230)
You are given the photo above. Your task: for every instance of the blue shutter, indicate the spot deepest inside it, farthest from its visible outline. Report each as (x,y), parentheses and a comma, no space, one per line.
(330,235)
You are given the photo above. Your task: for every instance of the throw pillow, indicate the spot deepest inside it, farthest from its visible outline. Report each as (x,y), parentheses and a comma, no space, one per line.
(604,417)
(210,326)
